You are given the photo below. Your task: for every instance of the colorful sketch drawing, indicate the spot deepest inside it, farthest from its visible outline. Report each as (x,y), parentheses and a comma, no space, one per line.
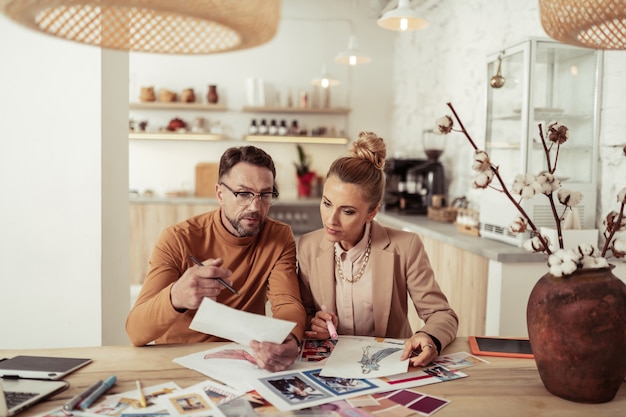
(338,385)
(293,389)
(371,361)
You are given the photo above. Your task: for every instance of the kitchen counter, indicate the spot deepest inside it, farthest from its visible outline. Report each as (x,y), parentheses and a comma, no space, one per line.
(448,233)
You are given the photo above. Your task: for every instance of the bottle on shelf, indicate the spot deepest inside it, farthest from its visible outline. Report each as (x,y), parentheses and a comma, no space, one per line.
(263,127)
(294,130)
(253,129)
(282,129)
(273,129)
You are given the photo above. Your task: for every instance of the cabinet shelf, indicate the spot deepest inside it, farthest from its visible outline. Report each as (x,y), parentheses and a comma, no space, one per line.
(175,136)
(156,105)
(296,110)
(296,139)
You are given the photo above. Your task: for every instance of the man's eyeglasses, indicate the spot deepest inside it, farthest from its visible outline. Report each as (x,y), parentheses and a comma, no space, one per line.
(244,198)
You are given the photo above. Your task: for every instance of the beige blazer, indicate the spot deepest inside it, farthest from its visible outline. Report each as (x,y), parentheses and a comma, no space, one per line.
(400,266)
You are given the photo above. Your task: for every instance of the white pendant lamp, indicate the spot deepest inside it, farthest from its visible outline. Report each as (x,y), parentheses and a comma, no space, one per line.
(402,18)
(352,56)
(325,80)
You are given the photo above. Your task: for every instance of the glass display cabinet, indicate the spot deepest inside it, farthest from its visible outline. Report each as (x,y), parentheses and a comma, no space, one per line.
(533,83)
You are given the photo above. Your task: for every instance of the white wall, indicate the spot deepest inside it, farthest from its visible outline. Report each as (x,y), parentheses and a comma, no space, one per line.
(59,270)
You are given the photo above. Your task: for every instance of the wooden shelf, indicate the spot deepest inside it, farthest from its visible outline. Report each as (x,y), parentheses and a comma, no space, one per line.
(297,139)
(175,136)
(296,110)
(156,105)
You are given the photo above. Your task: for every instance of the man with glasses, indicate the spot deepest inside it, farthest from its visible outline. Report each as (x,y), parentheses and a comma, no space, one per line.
(252,254)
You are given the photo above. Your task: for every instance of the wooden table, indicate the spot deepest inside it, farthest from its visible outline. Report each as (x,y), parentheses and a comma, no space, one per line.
(504,387)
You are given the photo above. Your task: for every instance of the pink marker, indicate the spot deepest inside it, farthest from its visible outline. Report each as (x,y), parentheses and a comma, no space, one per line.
(330,325)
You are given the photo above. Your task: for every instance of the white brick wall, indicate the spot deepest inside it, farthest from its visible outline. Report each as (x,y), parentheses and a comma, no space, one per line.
(447,62)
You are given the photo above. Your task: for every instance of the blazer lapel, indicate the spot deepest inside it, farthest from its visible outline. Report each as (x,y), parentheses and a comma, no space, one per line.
(383,268)
(324,286)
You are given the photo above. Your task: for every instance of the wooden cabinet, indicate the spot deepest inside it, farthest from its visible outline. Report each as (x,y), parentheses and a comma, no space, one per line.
(463,277)
(147,221)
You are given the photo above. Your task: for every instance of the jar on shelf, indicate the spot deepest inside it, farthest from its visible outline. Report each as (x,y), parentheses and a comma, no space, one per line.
(282,129)
(253,129)
(212,96)
(273,129)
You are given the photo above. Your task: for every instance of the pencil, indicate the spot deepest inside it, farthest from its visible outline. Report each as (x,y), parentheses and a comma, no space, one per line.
(220,280)
(142,398)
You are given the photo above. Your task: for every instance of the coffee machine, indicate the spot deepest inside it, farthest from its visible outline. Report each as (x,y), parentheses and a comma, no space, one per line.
(411,183)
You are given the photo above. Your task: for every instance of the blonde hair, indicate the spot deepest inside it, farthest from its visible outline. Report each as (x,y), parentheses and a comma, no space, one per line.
(364,166)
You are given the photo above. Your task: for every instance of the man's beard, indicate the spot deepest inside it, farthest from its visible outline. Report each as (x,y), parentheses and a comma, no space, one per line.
(243,231)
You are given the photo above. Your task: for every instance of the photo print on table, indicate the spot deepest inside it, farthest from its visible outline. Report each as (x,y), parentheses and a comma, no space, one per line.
(294,389)
(338,385)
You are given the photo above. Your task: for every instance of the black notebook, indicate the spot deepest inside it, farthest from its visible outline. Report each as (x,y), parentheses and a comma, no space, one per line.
(40,367)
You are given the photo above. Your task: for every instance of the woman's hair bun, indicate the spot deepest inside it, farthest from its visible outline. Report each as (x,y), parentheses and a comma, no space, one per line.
(371,148)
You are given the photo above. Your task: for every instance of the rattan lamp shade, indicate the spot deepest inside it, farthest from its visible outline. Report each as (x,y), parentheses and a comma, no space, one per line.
(159,26)
(598,24)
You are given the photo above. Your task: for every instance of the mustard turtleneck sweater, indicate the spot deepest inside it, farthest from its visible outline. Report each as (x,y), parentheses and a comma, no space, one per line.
(263,267)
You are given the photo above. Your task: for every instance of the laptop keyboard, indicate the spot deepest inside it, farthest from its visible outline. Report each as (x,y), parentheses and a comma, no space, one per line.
(16,398)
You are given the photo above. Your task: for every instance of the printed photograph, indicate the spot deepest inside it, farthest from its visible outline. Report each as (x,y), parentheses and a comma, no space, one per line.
(293,389)
(338,385)
(316,350)
(188,403)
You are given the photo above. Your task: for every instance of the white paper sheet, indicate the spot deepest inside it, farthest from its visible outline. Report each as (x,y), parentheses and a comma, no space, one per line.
(239,326)
(226,363)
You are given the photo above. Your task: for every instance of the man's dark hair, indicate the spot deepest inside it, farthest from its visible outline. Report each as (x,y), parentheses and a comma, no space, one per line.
(249,154)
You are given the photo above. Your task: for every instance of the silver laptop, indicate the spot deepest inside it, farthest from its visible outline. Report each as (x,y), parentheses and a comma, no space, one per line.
(19,394)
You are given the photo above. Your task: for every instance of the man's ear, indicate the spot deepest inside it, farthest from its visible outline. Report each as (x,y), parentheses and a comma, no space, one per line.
(218,194)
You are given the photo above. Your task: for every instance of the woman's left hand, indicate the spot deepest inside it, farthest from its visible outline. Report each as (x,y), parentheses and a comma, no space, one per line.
(419,349)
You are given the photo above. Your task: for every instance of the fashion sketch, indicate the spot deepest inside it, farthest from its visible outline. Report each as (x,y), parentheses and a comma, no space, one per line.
(371,362)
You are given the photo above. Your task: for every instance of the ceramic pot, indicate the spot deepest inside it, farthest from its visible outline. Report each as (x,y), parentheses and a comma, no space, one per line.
(212,96)
(304,184)
(577,331)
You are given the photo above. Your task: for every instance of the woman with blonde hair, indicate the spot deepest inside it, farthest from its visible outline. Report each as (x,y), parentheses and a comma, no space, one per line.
(358,273)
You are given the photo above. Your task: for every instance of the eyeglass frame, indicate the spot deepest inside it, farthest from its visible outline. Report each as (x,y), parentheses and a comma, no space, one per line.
(251,196)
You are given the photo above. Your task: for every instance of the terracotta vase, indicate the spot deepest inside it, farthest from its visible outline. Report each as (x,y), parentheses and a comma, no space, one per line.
(212,96)
(577,330)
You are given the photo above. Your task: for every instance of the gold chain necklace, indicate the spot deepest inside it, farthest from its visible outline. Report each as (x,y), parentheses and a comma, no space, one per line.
(362,270)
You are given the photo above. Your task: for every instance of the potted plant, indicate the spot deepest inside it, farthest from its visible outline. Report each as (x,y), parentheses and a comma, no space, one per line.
(303,172)
(576,313)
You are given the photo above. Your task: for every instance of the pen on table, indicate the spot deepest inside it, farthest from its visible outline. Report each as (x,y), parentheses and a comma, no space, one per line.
(106,385)
(220,280)
(142,398)
(73,402)
(330,325)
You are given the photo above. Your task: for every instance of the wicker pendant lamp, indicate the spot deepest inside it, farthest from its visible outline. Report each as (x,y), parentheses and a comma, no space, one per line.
(158,26)
(598,24)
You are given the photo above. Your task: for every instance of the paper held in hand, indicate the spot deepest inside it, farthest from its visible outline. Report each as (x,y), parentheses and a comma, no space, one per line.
(239,326)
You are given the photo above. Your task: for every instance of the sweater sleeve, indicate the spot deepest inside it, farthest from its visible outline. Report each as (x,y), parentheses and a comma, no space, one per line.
(283,290)
(153,313)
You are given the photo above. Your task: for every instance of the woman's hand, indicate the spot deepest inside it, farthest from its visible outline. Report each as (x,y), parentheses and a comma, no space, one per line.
(319,328)
(419,349)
